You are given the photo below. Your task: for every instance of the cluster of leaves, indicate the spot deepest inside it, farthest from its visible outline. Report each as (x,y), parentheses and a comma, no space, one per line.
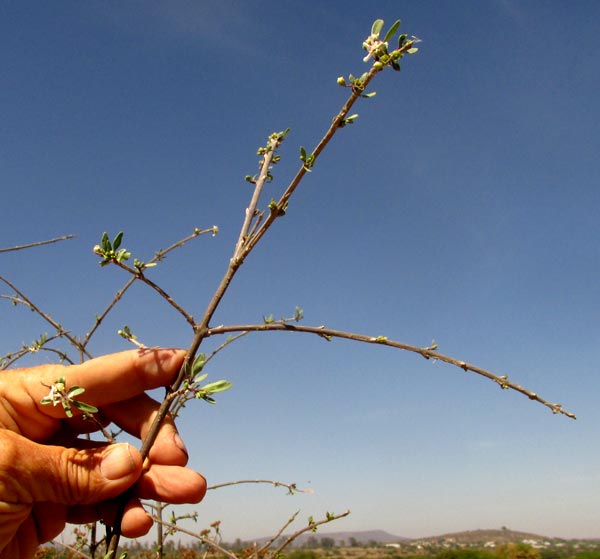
(298,316)
(60,394)
(378,49)
(275,140)
(111,252)
(195,377)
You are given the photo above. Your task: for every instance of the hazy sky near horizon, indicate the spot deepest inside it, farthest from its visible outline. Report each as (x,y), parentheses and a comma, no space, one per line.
(462,206)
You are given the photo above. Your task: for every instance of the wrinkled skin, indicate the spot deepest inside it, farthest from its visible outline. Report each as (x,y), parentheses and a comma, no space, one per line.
(50,475)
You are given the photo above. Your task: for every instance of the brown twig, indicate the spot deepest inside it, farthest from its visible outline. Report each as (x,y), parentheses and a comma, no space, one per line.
(23,299)
(139,275)
(100,318)
(425,352)
(274,538)
(206,541)
(159,256)
(309,528)
(37,244)
(291,487)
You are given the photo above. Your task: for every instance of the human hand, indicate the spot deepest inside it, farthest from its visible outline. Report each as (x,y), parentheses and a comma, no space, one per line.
(49,476)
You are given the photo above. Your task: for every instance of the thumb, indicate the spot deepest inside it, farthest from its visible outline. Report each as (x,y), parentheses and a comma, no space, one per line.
(67,475)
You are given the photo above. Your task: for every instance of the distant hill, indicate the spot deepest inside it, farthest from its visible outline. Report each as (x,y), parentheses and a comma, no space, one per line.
(474,536)
(466,538)
(344,538)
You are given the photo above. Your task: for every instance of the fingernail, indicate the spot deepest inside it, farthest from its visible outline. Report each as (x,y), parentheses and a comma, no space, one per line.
(117,462)
(164,360)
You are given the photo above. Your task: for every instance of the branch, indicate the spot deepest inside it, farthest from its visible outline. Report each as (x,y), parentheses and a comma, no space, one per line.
(102,316)
(427,353)
(291,487)
(159,256)
(39,243)
(311,527)
(269,543)
(274,141)
(23,299)
(206,541)
(72,549)
(139,275)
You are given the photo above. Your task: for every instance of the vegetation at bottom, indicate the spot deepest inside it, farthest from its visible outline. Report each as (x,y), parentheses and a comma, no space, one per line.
(172,550)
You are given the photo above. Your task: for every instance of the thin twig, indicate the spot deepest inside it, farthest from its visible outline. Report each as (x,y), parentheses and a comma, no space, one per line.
(159,256)
(59,329)
(200,538)
(251,209)
(39,243)
(291,487)
(139,275)
(310,528)
(427,353)
(102,316)
(185,396)
(12,358)
(72,549)
(269,542)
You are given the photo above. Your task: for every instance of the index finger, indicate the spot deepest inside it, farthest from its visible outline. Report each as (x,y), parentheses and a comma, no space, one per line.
(118,376)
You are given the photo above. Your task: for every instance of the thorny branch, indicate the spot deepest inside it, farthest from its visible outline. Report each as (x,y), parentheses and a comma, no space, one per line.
(426,352)
(24,300)
(291,487)
(311,527)
(250,236)
(38,243)
(255,225)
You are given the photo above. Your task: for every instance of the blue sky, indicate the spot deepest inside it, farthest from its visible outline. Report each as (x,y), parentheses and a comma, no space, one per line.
(462,206)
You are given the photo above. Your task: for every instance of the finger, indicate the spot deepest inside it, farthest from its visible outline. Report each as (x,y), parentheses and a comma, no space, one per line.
(136,416)
(135,522)
(30,472)
(107,379)
(50,520)
(171,484)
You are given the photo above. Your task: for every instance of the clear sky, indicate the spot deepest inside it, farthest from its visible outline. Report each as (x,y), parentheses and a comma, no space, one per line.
(462,206)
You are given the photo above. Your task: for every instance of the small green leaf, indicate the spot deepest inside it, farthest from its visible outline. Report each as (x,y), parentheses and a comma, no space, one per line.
(87,408)
(75,391)
(376,28)
(412,50)
(198,364)
(105,243)
(392,31)
(218,386)
(67,408)
(302,154)
(117,240)
(372,94)
(201,377)
(401,40)
(122,254)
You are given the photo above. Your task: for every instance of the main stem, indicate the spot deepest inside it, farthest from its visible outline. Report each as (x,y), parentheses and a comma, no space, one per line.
(243,247)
